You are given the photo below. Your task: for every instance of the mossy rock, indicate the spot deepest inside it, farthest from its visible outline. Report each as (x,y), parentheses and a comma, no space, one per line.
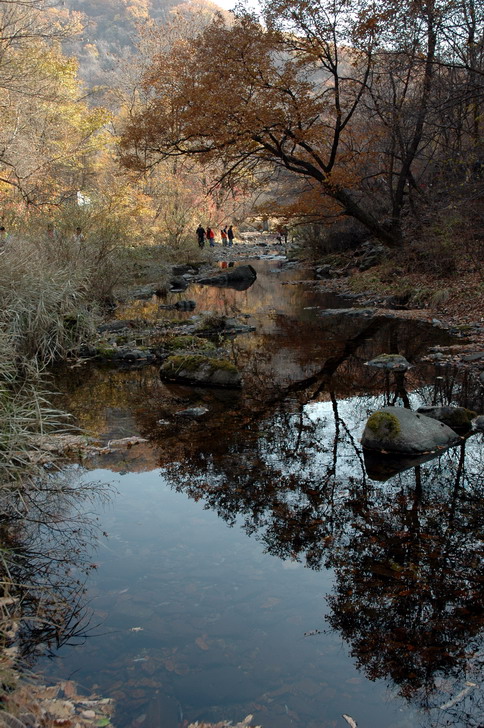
(187,343)
(106,352)
(459,418)
(399,430)
(200,370)
(212,323)
(384,423)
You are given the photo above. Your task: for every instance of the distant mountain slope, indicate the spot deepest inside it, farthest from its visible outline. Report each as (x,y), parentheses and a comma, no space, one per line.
(111,27)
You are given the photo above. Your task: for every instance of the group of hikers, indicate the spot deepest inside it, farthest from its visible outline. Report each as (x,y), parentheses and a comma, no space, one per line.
(227,236)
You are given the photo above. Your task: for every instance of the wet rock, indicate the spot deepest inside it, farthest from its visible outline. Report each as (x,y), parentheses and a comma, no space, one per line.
(390,362)
(458,418)
(86,351)
(146,292)
(366,312)
(193,413)
(475,356)
(129,355)
(323,271)
(215,324)
(201,370)
(185,305)
(186,269)
(239,278)
(399,430)
(326,272)
(373,255)
(178,283)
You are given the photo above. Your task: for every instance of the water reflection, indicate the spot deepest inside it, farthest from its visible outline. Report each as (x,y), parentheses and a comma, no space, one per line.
(282,459)
(47,536)
(407,556)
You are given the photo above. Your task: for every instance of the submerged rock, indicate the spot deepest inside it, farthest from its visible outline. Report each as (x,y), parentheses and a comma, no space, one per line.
(185,305)
(215,324)
(365,312)
(193,413)
(399,430)
(459,418)
(201,370)
(390,362)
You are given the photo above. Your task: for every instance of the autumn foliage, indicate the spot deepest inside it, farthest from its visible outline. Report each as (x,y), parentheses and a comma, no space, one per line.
(367,113)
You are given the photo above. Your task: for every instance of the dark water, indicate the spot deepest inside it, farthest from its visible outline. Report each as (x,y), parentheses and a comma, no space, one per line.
(252,565)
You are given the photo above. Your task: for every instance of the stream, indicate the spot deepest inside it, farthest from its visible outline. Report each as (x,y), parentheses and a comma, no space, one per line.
(251,562)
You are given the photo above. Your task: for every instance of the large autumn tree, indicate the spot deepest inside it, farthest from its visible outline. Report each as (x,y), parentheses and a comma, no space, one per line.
(350,101)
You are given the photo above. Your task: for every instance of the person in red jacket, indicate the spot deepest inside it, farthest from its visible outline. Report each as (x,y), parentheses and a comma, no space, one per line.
(210,237)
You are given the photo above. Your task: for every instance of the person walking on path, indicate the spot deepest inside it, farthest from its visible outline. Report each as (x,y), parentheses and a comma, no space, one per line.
(200,236)
(230,235)
(223,234)
(211,237)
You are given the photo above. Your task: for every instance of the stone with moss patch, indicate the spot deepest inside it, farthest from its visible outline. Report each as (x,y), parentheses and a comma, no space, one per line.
(459,418)
(399,430)
(384,422)
(201,370)
(187,343)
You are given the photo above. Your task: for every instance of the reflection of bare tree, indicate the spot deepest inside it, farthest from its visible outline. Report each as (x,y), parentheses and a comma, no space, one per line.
(45,545)
(407,555)
(410,579)
(281,478)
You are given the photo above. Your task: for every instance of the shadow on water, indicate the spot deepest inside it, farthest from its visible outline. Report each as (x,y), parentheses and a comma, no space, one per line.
(400,562)
(47,539)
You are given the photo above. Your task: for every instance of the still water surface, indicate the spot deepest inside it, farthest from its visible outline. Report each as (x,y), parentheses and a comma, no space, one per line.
(255,564)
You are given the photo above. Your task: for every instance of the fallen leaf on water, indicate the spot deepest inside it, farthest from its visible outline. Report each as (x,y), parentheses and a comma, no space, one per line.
(350,721)
(201,642)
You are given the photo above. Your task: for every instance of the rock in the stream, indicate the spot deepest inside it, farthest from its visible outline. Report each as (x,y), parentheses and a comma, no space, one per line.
(390,362)
(459,418)
(200,370)
(193,413)
(178,283)
(241,278)
(400,430)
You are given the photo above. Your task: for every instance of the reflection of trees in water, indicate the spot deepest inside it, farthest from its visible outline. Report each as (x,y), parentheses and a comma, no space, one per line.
(410,577)
(407,554)
(46,536)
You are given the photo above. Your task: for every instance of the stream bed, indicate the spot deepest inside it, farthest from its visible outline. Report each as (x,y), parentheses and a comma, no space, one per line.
(252,562)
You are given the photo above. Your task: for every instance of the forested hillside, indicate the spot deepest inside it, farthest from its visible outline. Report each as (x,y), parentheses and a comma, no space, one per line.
(110,29)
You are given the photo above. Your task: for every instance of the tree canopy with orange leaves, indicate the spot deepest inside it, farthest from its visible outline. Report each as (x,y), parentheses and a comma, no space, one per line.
(361,108)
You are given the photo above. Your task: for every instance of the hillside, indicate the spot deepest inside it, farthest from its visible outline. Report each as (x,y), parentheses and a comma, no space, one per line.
(111,28)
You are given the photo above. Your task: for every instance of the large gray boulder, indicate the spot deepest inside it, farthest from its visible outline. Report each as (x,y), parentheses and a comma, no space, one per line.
(200,370)
(399,430)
